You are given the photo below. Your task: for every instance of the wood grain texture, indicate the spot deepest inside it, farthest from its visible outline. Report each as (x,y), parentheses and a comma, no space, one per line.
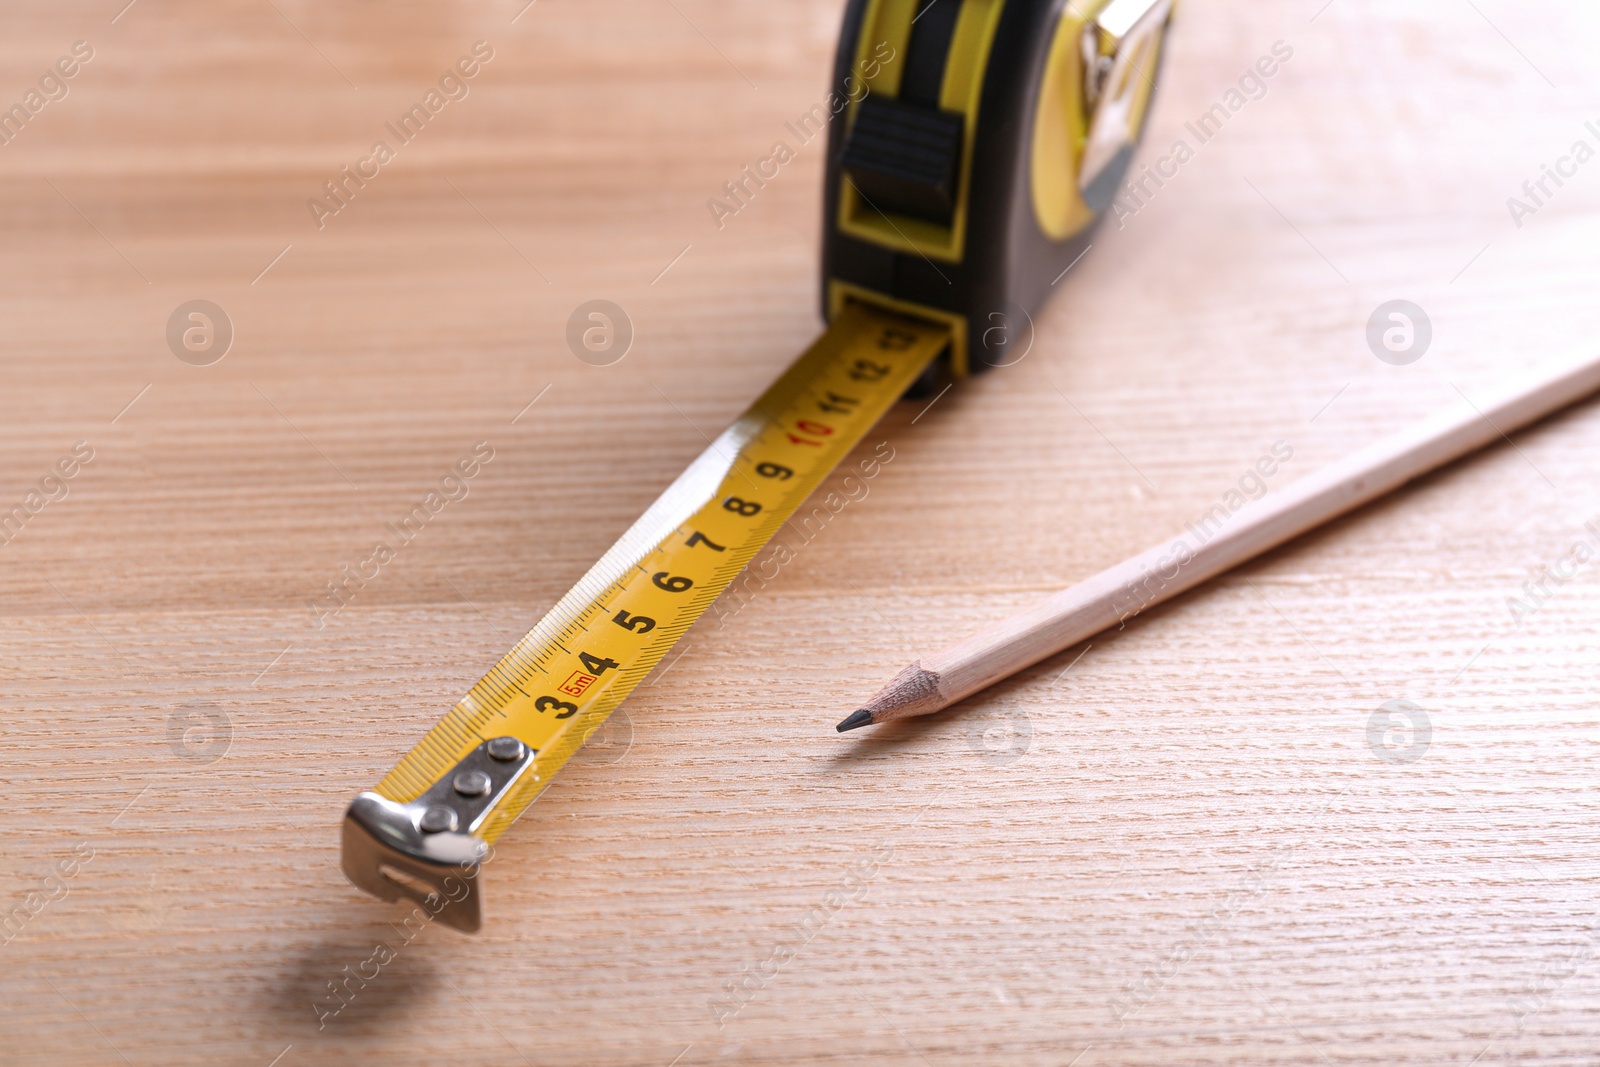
(1184,849)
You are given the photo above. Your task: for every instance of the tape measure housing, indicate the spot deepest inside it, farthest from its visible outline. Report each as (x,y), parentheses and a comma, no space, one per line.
(954,188)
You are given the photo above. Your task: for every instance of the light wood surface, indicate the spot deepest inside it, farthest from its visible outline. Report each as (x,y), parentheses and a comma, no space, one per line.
(1183,849)
(1249,522)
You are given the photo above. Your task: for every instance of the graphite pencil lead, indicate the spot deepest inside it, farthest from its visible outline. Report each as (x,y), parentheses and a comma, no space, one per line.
(855,720)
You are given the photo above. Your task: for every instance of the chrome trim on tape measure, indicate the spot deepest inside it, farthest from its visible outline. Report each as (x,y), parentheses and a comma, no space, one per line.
(1119,50)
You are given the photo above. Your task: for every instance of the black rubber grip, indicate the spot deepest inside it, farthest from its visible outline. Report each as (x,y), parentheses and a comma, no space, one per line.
(905,158)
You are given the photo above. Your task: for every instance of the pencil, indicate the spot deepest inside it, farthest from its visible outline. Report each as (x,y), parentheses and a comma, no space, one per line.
(1110,598)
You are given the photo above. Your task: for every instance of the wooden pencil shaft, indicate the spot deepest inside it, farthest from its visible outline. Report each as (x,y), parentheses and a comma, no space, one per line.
(1166,570)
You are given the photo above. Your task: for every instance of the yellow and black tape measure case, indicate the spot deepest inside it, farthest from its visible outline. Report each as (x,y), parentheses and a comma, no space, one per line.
(973,164)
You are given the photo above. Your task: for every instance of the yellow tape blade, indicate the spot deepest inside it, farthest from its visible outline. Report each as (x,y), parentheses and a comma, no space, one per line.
(599,642)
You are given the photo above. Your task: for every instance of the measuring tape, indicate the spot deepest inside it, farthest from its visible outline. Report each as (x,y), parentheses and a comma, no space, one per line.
(905,196)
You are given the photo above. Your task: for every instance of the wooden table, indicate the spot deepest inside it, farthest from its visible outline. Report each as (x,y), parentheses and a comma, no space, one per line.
(1199,841)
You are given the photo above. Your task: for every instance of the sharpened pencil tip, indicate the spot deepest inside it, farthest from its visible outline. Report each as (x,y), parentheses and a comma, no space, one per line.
(855,720)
